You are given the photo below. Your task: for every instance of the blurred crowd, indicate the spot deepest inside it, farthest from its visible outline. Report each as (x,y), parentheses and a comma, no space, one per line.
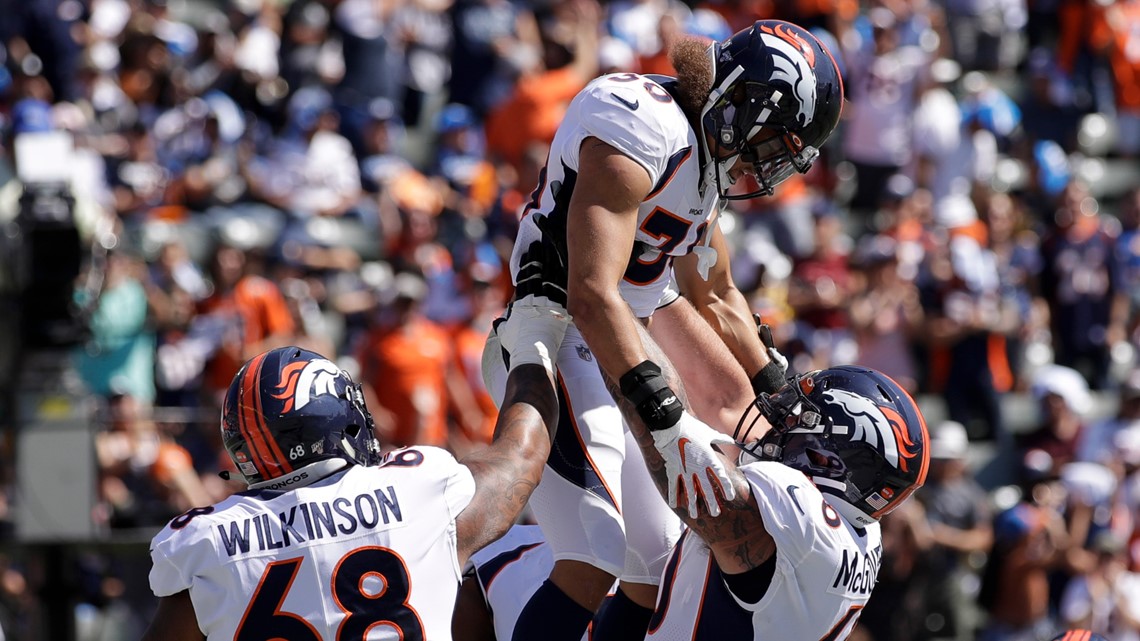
(347,176)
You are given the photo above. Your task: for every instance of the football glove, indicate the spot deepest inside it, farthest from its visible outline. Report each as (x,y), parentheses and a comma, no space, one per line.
(687,449)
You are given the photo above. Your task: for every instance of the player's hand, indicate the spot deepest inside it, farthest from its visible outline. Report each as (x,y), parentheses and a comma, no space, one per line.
(690,459)
(542,273)
(765,332)
(533,331)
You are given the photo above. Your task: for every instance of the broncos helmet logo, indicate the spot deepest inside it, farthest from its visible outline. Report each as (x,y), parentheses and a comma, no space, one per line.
(302,381)
(793,63)
(879,426)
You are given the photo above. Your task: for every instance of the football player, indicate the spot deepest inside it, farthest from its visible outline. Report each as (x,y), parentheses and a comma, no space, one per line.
(332,540)
(795,554)
(624,217)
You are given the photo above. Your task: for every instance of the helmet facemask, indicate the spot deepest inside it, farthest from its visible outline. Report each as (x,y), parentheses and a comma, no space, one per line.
(742,117)
(854,479)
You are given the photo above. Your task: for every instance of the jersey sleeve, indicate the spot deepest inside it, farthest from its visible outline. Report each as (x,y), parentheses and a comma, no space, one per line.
(176,557)
(789,504)
(458,484)
(606,112)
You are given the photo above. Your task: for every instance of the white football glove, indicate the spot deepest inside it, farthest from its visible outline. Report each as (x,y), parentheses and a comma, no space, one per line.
(533,331)
(687,449)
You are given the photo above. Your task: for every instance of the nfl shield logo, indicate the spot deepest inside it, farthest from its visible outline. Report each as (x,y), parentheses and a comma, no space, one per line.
(584,353)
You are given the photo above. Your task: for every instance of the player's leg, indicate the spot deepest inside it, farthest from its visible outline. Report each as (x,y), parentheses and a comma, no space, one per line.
(649,541)
(578,502)
(716,385)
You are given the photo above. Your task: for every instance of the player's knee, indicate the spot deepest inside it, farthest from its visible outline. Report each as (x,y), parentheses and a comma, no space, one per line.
(582,582)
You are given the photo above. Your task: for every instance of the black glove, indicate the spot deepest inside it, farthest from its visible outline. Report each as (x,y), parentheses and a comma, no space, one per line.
(542,272)
(772,376)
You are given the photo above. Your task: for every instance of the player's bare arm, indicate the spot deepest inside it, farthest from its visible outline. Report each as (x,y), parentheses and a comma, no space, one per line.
(726,310)
(736,536)
(600,232)
(721,303)
(509,469)
(174,620)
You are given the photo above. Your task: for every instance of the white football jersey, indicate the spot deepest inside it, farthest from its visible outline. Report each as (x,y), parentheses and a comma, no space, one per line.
(637,116)
(824,571)
(371,550)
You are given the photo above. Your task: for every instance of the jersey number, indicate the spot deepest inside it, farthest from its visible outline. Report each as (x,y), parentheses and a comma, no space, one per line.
(264,620)
(668,227)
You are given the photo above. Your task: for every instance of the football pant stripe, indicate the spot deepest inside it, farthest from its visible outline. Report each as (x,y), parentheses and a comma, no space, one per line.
(569,456)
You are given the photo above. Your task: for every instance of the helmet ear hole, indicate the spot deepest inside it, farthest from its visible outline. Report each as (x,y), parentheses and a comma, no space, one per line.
(352,430)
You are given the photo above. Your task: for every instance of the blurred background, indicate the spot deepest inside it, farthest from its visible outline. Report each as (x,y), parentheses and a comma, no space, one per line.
(185,183)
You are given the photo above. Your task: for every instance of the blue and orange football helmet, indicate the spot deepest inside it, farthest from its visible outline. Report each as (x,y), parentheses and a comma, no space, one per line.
(853,431)
(289,408)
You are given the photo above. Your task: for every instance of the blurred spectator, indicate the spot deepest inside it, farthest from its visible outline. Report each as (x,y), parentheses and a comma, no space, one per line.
(41,36)
(1047,106)
(987,107)
(138,181)
(1106,599)
(409,369)
(1063,398)
(373,56)
(1030,541)
(886,315)
(1098,443)
(955,149)
(118,359)
(1114,28)
(487,303)
(1128,262)
(309,56)
(542,91)
(249,314)
(1082,287)
(423,28)
(494,41)
(883,82)
(984,32)
(961,527)
(1016,249)
(967,321)
(821,284)
(380,156)
(311,169)
(146,478)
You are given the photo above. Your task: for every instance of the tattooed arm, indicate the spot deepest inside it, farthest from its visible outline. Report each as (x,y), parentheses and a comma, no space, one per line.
(737,537)
(509,469)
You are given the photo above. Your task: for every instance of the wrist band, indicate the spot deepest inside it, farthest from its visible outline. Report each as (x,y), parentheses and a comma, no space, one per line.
(644,387)
(769,380)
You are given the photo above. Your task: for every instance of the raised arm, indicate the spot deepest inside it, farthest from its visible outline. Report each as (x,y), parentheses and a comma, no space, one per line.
(737,536)
(726,310)
(600,230)
(507,471)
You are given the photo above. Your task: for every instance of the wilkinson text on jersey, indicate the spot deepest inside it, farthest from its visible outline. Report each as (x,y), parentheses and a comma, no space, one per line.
(312,520)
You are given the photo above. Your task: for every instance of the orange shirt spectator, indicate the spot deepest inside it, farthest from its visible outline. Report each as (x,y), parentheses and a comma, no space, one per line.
(260,317)
(408,369)
(469,355)
(1114,31)
(532,113)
